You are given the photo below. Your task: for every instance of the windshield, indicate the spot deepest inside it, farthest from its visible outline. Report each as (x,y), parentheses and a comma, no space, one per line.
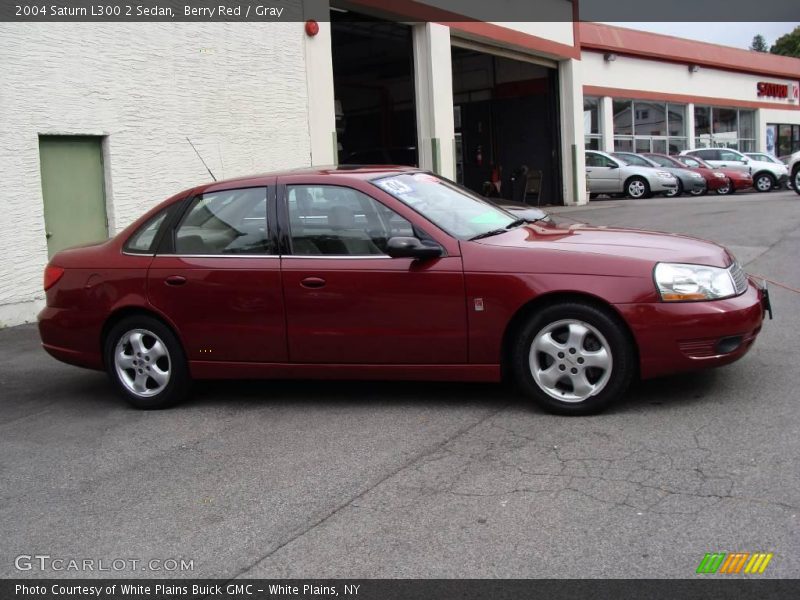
(663,161)
(453,208)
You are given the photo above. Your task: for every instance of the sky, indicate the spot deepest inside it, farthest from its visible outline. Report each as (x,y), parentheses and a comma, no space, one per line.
(728,34)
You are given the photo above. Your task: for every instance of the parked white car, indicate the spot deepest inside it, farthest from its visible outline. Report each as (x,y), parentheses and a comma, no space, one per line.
(606,174)
(793,166)
(767,175)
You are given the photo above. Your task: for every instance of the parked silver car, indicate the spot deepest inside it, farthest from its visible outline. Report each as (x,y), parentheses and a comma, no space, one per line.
(766,175)
(688,181)
(606,174)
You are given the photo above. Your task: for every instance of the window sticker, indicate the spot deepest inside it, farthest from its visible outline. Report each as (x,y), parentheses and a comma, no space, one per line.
(395,186)
(489,218)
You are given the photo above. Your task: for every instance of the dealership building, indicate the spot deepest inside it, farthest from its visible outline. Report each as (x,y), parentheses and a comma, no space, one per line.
(96,116)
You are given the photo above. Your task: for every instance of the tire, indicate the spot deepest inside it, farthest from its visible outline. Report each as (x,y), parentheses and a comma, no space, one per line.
(796,179)
(637,188)
(544,343)
(702,192)
(726,190)
(146,362)
(764,182)
(678,191)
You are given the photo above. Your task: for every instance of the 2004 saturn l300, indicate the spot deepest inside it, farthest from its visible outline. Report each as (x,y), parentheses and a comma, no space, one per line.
(390,273)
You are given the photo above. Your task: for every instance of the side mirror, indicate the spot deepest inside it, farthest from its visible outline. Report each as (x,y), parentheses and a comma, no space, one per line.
(411,247)
(613,166)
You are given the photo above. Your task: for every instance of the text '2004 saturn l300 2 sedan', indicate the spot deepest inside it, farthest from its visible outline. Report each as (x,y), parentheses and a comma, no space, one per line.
(390,273)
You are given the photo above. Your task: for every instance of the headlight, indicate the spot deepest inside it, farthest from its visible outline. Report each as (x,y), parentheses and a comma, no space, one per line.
(720,175)
(664,174)
(680,282)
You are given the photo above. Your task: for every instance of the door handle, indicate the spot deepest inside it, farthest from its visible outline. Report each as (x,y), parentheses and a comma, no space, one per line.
(175,280)
(313,282)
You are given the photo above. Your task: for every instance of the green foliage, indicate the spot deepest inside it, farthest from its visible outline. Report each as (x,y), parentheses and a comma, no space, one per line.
(788,45)
(759,44)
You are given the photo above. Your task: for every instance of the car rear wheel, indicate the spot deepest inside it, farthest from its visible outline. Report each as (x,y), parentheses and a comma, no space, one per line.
(763,182)
(637,188)
(573,359)
(678,191)
(146,362)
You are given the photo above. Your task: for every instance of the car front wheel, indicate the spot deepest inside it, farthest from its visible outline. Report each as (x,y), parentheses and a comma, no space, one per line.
(573,359)
(726,189)
(678,191)
(145,361)
(796,179)
(637,187)
(764,182)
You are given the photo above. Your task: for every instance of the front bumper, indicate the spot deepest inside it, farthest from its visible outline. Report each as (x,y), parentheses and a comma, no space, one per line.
(783,179)
(695,185)
(659,184)
(675,337)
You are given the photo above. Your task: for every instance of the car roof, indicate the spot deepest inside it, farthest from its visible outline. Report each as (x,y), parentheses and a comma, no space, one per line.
(363,172)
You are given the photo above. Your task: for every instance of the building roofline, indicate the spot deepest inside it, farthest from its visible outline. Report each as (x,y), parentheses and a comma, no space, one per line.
(632,42)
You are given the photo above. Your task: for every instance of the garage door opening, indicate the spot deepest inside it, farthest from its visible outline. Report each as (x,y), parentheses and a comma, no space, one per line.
(506,127)
(373,78)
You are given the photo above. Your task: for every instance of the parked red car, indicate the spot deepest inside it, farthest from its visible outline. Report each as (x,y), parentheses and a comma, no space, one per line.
(715,179)
(738,180)
(390,273)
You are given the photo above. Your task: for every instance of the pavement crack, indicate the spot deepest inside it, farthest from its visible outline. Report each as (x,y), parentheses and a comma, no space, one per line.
(350,502)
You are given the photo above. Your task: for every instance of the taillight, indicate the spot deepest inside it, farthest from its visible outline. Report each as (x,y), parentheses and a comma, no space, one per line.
(51,276)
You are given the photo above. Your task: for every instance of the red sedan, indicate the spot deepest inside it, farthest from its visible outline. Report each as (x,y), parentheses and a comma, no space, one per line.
(390,273)
(737,179)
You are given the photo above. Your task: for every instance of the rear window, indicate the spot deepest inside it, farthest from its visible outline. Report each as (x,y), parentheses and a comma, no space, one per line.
(144,240)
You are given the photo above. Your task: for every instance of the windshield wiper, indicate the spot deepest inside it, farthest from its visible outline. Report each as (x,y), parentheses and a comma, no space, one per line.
(511,225)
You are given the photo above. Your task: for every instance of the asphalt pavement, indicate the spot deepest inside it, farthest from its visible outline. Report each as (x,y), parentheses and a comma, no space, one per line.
(362,480)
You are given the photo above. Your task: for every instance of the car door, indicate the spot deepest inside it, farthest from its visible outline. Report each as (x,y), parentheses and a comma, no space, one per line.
(347,302)
(602,174)
(733,160)
(216,276)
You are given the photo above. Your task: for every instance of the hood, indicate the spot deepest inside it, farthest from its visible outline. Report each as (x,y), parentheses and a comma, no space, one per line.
(637,245)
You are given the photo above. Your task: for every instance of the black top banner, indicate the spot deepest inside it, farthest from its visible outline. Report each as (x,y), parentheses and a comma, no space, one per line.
(401,10)
(399,589)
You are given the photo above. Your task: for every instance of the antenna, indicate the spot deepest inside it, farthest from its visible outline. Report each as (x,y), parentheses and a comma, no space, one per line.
(201,158)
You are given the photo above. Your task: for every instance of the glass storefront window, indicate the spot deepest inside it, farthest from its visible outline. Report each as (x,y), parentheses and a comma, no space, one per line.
(623,117)
(747,124)
(591,115)
(642,145)
(725,121)
(650,118)
(623,144)
(592,142)
(676,119)
(702,121)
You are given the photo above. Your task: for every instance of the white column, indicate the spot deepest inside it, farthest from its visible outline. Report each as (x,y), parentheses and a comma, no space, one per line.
(319,82)
(690,126)
(433,80)
(761,131)
(573,166)
(607,123)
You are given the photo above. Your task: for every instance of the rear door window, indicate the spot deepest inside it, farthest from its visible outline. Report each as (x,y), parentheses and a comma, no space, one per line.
(228,222)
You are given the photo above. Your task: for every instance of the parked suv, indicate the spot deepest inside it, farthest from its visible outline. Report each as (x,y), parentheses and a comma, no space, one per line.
(766,175)
(608,175)
(793,166)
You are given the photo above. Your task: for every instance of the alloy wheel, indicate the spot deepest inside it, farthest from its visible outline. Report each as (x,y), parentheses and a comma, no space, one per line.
(570,360)
(636,188)
(142,362)
(764,183)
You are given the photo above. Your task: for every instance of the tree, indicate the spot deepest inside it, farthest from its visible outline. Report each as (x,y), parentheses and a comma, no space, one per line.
(788,45)
(759,44)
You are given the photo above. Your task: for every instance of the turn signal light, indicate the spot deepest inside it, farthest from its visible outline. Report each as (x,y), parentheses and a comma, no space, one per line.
(51,276)
(682,297)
